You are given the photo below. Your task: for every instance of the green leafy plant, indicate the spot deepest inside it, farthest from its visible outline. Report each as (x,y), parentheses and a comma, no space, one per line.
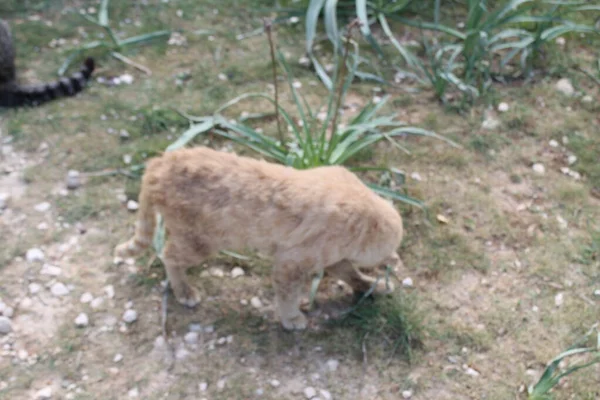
(552,374)
(466,59)
(115,45)
(314,142)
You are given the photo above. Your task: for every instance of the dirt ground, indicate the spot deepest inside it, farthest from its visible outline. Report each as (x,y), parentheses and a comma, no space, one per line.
(506,280)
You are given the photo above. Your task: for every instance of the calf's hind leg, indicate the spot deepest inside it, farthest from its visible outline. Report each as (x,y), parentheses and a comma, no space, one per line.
(180,254)
(289,280)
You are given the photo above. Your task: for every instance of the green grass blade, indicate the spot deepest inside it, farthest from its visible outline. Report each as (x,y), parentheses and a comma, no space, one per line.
(394,195)
(311,20)
(144,38)
(429,26)
(103,13)
(361,13)
(331,27)
(191,133)
(409,58)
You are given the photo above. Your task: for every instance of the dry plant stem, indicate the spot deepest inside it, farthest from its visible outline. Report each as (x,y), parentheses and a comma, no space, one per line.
(128,61)
(341,75)
(268,28)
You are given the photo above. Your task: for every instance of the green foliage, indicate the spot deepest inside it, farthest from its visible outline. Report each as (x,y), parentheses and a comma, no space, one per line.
(115,45)
(553,373)
(493,43)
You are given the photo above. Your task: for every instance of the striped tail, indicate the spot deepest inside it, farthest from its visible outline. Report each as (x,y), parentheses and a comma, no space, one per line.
(15,95)
(144,228)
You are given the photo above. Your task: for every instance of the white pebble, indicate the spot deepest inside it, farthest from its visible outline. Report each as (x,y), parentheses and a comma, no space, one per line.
(118,358)
(553,143)
(539,168)
(42,207)
(310,392)
(110,291)
(503,107)
(97,302)
(560,41)
(133,393)
(51,270)
(73,180)
(332,364)
(59,289)
(4,200)
(559,299)
(416,176)
(202,386)
(297,84)
(572,159)
(587,99)
(217,272)
(34,255)
(275,383)
(130,316)
(221,384)
(255,302)
(407,282)
(132,205)
(222,77)
(565,86)
(82,320)
(237,272)
(407,394)
(5,326)
(325,394)
(43,394)
(34,288)
(191,337)
(597,292)
(8,312)
(470,371)
(42,226)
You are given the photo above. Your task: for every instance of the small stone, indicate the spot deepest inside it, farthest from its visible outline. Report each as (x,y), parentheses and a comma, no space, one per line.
(275,383)
(191,337)
(222,77)
(34,255)
(118,358)
(97,302)
(195,327)
(59,289)
(553,143)
(237,272)
(572,159)
(297,84)
(470,371)
(42,207)
(202,386)
(132,205)
(587,99)
(309,392)
(304,61)
(42,226)
(535,309)
(127,158)
(73,179)
(34,288)
(123,134)
(560,41)
(110,291)
(565,86)
(416,176)
(490,123)
(129,304)
(50,270)
(407,282)
(43,394)
(539,168)
(559,299)
(133,393)
(503,107)
(82,320)
(407,394)
(325,394)
(3,200)
(8,312)
(597,292)
(209,329)
(255,302)
(5,325)
(332,364)
(221,384)
(129,316)
(217,272)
